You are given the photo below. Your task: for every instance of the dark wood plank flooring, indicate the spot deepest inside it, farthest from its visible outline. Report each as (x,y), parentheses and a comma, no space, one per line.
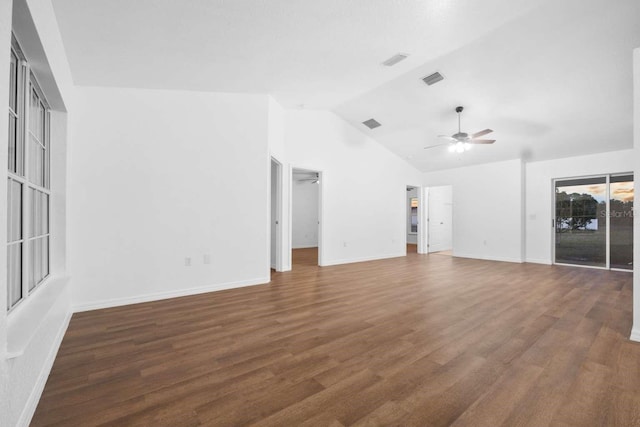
(414,341)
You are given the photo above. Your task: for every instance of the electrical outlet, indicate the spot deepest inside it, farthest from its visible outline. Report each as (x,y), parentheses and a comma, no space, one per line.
(206,259)
(345,244)
(187,262)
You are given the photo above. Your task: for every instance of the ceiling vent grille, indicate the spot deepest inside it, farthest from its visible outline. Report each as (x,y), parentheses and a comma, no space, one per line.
(433,78)
(395,59)
(371,123)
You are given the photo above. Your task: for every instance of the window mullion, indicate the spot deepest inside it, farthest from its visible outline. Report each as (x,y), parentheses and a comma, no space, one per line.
(22,108)
(608,216)
(26,203)
(47,156)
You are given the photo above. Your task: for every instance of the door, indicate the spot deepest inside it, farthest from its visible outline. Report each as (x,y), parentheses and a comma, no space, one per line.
(593,223)
(275,216)
(621,195)
(440,208)
(274,213)
(581,221)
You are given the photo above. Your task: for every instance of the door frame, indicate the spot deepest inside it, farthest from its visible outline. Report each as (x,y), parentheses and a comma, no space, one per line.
(321,178)
(278,200)
(421,237)
(607,177)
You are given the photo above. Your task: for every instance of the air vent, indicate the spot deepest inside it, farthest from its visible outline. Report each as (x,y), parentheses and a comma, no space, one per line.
(433,78)
(395,59)
(371,123)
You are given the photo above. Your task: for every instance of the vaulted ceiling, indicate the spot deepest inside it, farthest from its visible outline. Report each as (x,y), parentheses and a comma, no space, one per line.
(553,79)
(555,82)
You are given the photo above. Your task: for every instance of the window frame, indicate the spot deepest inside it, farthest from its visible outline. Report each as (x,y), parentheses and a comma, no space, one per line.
(27,84)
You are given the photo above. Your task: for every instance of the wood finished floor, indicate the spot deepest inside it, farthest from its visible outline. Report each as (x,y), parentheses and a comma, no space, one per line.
(420,340)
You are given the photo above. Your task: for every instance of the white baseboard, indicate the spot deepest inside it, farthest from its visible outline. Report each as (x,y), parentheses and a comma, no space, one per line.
(34,398)
(116,302)
(488,258)
(361,259)
(635,334)
(304,247)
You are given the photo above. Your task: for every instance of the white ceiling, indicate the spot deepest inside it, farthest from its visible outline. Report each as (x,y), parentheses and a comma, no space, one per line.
(552,78)
(556,82)
(317,53)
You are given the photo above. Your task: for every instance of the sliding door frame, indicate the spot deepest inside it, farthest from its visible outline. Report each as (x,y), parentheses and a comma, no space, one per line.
(607,213)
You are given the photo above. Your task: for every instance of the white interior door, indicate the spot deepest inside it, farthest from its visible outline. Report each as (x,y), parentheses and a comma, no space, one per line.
(440,208)
(274,222)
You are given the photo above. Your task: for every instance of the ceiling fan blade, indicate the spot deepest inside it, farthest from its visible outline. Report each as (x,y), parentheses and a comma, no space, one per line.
(481,141)
(450,138)
(481,133)
(437,145)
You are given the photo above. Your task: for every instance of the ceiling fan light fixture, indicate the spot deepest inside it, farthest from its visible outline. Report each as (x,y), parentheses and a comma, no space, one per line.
(461,141)
(459,147)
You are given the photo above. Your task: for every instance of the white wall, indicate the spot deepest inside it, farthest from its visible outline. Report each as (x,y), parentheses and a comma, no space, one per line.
(487,209)
(30,335)
(363,186)
(159,176)
(412,238)
(5,35)
(304,214)
(635,332)
(539,193)
(276,137)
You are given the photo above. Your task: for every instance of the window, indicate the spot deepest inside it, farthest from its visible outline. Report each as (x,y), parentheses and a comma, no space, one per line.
(28,193)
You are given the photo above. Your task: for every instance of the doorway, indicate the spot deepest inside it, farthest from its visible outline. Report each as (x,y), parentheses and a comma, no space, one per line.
(412,203)
(440,214)
(275,216)
(306,190)
(593,221)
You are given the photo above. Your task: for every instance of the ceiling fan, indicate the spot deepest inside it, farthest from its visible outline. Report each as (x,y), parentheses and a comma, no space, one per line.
(461,141)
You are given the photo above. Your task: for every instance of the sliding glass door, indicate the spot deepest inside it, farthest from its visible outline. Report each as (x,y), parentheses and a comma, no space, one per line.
(580,226)
(621,218)
(593,223)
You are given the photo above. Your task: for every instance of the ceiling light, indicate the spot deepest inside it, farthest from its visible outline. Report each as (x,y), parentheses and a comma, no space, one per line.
(459,147)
